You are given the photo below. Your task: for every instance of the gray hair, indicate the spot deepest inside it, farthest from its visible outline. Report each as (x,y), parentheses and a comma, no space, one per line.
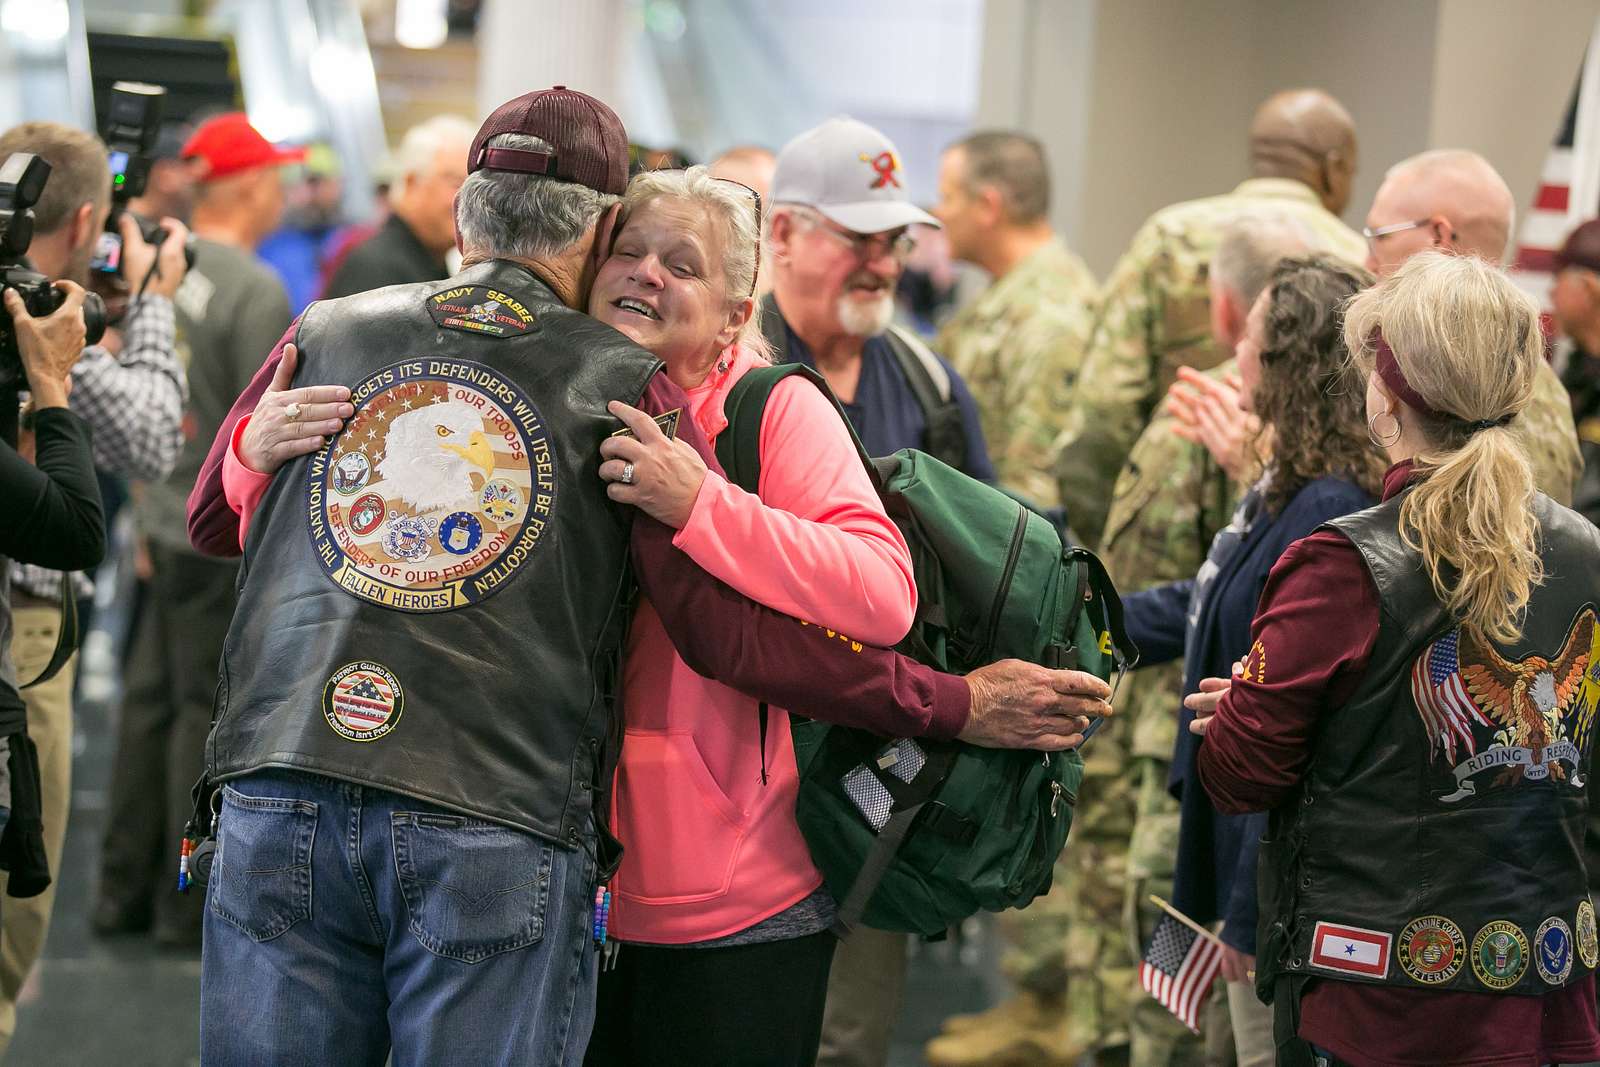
(529,216)
(732,209)
(1014,165)
(1252,246)
(422,144)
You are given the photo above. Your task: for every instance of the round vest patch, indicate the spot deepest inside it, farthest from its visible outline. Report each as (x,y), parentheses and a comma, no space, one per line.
(362,701)
(1552,950)
(436,491)
(1432,950)
(1500,954)
(1588,944)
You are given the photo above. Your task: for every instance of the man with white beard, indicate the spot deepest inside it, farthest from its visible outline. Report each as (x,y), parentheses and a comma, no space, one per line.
(838,234)
(838,237)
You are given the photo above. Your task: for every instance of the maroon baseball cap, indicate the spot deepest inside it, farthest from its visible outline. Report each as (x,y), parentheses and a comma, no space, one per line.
(1581,248)
(587,141)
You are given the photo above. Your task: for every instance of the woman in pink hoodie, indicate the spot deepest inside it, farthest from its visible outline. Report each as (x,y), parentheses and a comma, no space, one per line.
(723,914)
(717,897)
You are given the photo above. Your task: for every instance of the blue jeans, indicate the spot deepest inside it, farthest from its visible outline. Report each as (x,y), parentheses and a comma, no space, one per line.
(344,921)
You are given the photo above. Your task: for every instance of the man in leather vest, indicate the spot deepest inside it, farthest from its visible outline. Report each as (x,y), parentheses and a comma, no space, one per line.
(414,714)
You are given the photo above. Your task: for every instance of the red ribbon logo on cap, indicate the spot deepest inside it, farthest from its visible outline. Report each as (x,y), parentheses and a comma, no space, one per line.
(884,164)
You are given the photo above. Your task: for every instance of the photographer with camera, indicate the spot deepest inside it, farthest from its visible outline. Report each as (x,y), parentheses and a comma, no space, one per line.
(49,514)
(133,402)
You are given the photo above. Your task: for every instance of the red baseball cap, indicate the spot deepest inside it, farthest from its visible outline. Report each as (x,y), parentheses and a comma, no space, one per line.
(229,145)
(587,141)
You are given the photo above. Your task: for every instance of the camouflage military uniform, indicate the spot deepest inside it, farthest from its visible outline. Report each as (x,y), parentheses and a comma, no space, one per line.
(1019,346)
(1155,316)
(1168,503)
(1550,435)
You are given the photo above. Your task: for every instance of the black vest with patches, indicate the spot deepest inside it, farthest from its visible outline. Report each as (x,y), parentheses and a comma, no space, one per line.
(432,604)
(1436,840)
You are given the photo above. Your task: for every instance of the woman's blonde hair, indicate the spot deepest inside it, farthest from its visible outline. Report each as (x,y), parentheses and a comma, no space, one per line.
(735,210)
(1468,342)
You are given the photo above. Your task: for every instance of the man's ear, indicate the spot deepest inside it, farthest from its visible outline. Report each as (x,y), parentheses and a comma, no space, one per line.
(992,210)
(780,233)
(83,224)
(1444,234)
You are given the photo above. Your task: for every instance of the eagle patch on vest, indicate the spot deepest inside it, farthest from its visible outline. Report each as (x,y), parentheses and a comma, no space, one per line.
(1527,720)
(456,481)
(481,310)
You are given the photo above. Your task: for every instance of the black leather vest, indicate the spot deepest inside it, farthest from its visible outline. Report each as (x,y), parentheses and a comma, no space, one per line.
(1436,841)
(431,604)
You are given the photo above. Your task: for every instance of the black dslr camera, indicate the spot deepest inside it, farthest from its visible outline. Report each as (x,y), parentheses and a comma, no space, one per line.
(22,178)
(133,120)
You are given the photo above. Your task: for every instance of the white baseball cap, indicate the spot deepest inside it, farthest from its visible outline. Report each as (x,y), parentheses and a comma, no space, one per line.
(849,172)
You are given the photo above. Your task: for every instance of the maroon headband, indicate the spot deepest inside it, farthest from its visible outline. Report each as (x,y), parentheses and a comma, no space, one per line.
(1389,370)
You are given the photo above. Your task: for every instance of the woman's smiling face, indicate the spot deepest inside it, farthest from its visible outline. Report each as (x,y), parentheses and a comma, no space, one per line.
(665,287)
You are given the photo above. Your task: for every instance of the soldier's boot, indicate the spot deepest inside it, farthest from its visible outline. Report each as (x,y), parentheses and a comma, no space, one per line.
(1002,1014)
(1032,1033)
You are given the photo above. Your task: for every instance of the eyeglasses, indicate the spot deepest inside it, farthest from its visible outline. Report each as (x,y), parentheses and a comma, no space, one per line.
(755,271)
(868,246)
(1372,235)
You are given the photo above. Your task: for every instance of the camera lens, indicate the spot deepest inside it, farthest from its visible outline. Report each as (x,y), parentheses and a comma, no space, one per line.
(94,318)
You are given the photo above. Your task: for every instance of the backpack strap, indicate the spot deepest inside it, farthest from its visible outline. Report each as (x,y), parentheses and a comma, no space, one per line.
(944,436)
(739,445)
(1092,573)
(773,329)
(910,799)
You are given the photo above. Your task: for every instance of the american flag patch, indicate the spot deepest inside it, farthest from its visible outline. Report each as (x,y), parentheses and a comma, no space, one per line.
(362,701)
(1447,709)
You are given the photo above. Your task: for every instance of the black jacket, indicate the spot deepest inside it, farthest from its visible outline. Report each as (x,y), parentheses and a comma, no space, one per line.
(433,604)
(392,256)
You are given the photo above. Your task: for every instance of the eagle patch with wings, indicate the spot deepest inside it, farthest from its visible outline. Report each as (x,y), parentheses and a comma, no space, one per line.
(1528,719)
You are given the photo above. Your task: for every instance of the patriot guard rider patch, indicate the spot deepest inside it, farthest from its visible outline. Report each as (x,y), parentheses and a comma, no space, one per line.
(479,309)
(437,490)
(1350,949)
(362,701)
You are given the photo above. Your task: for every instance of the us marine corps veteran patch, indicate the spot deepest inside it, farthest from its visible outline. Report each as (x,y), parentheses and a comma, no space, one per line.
(1432,950)
(436,491)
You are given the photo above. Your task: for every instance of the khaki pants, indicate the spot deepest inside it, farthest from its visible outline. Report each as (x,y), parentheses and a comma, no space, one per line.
(1252,1026)
(24,922)
(865,991)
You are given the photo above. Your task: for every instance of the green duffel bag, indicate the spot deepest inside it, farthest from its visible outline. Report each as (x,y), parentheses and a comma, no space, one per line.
(913,834)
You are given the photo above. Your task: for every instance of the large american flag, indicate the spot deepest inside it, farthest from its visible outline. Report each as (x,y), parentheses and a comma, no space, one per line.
(1447,709)
(1178,969)
(1569,184)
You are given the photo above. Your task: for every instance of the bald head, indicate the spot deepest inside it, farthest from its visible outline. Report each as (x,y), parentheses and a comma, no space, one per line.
(1458,202)
(750,164)
(1308,136)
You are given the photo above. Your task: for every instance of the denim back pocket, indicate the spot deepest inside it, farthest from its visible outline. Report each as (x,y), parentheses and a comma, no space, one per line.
(261,881)
(474,889)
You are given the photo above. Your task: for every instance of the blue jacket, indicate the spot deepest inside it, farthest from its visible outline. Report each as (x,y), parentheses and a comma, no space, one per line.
(1216,863)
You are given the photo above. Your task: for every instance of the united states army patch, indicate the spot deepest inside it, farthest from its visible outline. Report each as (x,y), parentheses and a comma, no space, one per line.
(1500,954)
(480,310)
(1432,950)
(1552,951)
(362,701)
(436,492)
(1588,945)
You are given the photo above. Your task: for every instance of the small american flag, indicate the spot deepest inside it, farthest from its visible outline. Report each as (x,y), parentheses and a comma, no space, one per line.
(1447,709)
(1178,969)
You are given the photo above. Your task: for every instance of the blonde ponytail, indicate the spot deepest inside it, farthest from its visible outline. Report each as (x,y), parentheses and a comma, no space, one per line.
(1468,342)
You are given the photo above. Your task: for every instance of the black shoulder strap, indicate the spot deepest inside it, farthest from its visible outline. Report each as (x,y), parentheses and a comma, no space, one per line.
(773,329)
(944,435)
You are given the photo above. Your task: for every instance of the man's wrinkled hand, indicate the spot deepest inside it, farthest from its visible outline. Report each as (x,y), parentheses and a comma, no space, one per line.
(50,345)
(1016,704)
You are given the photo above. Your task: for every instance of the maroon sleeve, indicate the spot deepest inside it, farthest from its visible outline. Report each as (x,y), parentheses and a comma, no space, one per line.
(771,657)
(1313,635)
(213,525)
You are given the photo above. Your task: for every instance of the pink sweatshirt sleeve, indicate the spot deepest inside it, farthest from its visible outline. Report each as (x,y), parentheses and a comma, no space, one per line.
(816,544)
(242,486)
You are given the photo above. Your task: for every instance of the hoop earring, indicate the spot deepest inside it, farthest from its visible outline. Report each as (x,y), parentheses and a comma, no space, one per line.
(1383,440)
